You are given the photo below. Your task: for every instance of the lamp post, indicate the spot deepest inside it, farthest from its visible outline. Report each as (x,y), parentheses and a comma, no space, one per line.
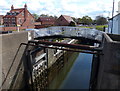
(108,13)
(112,17)
(107,19)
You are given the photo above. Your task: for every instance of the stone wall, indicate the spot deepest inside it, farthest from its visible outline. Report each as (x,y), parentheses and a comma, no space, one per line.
(12,61)
(109,64)
(53,57)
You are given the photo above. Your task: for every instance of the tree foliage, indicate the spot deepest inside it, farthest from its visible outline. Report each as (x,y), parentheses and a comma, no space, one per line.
(100,20)
(86,20)
(79,20)
(72,23)
(35,16)
(75,19)
(46,15)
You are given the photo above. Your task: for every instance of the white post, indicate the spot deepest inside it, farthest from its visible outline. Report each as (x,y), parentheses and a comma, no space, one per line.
(18,28)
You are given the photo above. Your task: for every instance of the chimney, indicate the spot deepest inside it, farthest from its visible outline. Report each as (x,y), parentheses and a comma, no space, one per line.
(25,6)
(25,12)
(12,7)
(118,7)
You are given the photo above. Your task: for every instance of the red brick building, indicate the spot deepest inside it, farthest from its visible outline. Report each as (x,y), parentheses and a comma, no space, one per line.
(20,16)
(64,20)
(1,19)
(45,22)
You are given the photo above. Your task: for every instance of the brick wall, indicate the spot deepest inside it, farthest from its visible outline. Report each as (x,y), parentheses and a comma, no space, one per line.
(48,23)
(61,22)
(14,28)
(41,26)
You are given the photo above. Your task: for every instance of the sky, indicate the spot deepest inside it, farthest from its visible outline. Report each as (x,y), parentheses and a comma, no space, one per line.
(74,8)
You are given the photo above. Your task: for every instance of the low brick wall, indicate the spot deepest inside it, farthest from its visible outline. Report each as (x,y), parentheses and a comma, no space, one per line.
(14,28)
(42,26)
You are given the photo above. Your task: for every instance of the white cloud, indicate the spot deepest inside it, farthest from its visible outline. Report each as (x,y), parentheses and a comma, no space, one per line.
(76,8)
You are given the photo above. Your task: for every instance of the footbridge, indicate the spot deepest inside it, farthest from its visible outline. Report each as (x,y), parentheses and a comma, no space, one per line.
(84,35)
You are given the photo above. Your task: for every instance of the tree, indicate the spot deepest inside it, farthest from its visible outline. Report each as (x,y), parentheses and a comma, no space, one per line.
(94,22)
(100,20)
(35,16)
(72,23)
(55,17)
(86,20)
(79,20)
(75,19)
(44,15)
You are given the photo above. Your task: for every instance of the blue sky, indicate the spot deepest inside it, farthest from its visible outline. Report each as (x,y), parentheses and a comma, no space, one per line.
(75,8)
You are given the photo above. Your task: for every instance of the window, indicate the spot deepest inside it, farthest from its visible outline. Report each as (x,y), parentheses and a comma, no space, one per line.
(20,20)
(15,13)
(32,21)
(22,13)
(28,14)
(9,19)
(13,19)
(4,19)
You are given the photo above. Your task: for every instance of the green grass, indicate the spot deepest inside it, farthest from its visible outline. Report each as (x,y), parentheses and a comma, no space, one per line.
(19,30)
(86,27)
(98,27)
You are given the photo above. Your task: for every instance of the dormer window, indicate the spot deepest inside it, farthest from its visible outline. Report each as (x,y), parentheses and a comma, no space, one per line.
(14,13)
(8,13)
(17,12)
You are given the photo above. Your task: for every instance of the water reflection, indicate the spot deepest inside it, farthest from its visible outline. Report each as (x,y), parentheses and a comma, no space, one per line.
(79,75)
(71,71)
(61,74)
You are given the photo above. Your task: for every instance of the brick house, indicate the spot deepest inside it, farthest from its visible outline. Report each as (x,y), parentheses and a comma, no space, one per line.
(20,16)
(45,22)
(64,20)
(1,19)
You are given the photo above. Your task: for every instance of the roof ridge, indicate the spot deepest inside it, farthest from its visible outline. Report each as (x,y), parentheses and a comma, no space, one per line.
(17,8)
(66,15)
(68,18)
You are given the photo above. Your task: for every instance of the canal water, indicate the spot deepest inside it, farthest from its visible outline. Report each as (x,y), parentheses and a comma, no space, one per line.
(75,74)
